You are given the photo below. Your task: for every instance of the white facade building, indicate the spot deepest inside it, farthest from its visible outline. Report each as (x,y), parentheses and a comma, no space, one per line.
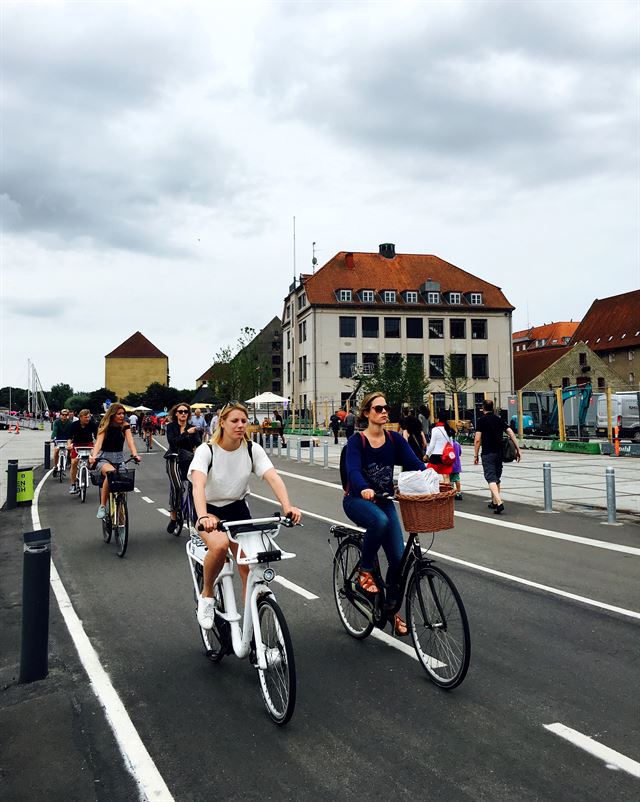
(362,305)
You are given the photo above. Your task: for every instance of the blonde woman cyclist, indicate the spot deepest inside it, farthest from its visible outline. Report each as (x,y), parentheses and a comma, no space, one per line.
(113,433)
(220,474)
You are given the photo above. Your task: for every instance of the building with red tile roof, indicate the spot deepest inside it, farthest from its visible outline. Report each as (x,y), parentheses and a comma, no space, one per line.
(360,305)
(134,365)
(549,335)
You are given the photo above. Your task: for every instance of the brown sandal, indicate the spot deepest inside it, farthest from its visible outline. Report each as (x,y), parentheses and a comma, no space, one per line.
(399,626)
(367,582)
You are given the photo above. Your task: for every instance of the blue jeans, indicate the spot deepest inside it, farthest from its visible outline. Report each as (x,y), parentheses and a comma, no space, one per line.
(383,529)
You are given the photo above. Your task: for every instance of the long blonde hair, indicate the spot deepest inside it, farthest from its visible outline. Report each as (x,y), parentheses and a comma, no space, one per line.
(106,420)
(228,408)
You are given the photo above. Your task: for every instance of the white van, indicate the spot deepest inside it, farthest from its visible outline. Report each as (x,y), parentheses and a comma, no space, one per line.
(624,414)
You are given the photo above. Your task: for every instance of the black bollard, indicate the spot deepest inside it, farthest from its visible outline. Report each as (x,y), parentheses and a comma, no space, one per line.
(12,483)
(47,454)
(36,572)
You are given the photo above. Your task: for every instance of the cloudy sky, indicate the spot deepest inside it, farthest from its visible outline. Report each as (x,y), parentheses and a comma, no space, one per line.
(155,153)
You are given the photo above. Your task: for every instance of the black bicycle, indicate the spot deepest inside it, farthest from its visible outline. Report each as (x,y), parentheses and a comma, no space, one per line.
(435,613)
(181,501)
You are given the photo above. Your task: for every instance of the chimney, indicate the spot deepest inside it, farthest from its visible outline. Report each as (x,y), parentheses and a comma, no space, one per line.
(348,261)
(388,250)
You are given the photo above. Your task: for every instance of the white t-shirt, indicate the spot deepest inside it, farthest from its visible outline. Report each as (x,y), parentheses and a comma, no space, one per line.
(133,420)
(228,479)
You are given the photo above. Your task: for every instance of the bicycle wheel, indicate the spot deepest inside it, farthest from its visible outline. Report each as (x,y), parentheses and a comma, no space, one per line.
(217,640)
(278,680)
(61,467)
(439,628)
(83,482)
(345,563)
(121,524)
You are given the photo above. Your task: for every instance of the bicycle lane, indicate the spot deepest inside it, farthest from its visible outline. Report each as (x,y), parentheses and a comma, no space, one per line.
(140,613)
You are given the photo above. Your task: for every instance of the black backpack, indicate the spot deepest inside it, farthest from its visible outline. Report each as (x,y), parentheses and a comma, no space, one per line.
(249,449)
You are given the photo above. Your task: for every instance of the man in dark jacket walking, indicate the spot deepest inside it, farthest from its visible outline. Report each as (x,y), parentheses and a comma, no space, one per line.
(489,432)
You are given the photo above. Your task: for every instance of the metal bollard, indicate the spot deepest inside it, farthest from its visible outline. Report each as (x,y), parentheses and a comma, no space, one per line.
(289,447)
(311,451)
(47,454)
(299,451)
(279,447)
(36,572)
(268,445)
(325,449)
(610,478)
(546,480)
(12,484)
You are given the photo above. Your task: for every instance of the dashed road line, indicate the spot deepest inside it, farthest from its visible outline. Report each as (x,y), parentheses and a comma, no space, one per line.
(286,583)
(164,512)
(147,499)
(612,759)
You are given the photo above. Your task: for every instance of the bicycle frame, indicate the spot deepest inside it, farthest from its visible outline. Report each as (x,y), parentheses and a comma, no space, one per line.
(63,454)
(251,552)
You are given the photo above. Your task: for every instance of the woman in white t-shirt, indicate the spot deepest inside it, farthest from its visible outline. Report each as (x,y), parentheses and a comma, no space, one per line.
(220,478)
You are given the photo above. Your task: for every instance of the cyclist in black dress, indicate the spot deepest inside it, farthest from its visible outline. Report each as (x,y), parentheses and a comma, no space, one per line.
(183,441)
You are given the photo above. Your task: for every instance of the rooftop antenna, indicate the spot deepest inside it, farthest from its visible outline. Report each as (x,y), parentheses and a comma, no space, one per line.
(294,249)
(314,261)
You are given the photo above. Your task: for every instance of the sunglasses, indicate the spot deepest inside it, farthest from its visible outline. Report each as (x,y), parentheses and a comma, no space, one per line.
(380,408)
(182,411)
(230,405)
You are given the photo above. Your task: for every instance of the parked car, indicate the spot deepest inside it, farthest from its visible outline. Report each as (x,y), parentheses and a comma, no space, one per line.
(624,414)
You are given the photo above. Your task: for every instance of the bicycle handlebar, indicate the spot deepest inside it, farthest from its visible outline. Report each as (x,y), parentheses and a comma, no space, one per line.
(254,523)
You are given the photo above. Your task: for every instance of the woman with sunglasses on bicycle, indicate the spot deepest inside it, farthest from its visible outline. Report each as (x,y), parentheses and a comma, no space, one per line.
(113,433)
(370,459)
(220,473)
(183,441)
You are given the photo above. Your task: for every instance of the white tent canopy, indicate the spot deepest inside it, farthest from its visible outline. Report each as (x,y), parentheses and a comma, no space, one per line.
(267,398)
(142,409)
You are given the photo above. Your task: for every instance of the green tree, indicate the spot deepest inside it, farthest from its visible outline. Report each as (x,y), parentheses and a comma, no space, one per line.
(57,396)
(133,399)
(455,378)
(158,396)
(244,369)
(98,397)
(401,381)
(18,398)
(78,401)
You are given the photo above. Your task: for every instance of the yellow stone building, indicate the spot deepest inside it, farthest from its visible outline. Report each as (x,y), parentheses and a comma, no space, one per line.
(134,365)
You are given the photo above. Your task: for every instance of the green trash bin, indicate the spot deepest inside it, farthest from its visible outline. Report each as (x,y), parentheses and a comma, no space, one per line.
(25,485)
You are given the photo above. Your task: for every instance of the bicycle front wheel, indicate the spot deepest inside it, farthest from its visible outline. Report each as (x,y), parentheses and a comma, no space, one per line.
(83,482)
(278,679)
(439,628)
(121,524)
(345,565)
(107,528)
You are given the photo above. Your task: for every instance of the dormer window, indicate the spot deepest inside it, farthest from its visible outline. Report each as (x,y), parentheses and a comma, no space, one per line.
(389,296)
(344,295)
(475,298)
(302,300)
(433,297)
(368,296)
(455,297)
(411,297)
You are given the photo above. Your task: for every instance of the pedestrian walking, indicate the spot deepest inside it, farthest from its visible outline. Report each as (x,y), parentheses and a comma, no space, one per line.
(334,425)
(424,416)
(441,441)
(490,433)
(349,424)
(456,470)
(413,434)
(280,427)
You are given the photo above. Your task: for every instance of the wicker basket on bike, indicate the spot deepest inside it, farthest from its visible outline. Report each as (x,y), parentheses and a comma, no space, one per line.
(429,513)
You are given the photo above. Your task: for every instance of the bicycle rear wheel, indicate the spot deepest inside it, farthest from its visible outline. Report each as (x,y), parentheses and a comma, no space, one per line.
(345,565)
(61,467)
(83,482)
(278,680)
(216,640)
(439,628)
(107,524)
(121,524)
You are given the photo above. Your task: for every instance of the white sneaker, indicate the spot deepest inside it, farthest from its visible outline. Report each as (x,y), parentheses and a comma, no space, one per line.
(206,612)
(73,490)
(102,511)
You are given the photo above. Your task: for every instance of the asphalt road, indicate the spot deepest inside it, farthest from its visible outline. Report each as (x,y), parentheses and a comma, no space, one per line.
(367,719)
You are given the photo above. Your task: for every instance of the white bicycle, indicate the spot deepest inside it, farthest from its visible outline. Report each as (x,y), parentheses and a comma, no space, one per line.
(83,478)
(63,458)
(271,651)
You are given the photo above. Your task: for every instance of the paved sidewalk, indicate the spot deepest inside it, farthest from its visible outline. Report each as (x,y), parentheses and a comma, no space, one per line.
(27,447)
(578,480)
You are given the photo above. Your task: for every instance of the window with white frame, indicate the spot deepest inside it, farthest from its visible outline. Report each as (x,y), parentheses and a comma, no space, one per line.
(433,297)
(411,297)
(344,295)
(455,297)
(389,296)
(475,298)
(368,296)
(302,300)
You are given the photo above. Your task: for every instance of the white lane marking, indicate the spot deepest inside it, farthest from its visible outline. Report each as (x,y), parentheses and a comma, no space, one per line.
(484,569)
(136,489)
(403,647)
(286,583)
(164,512)
(164,448)
(533,530)
(147,499)
(614,760)
(136,757)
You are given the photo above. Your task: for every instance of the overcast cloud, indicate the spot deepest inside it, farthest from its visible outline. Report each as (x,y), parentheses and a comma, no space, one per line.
(154,154)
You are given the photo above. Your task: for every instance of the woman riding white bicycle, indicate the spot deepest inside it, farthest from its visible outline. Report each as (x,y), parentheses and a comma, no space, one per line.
(220,474)
(113,433)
